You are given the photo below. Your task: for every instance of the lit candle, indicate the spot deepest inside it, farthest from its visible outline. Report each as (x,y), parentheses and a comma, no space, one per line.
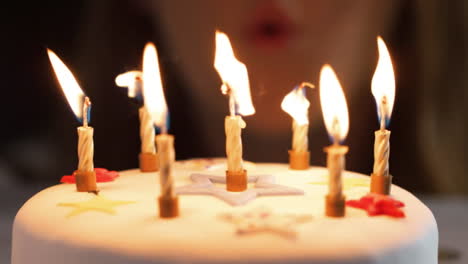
(132,80)
(296,105)
(383,89)
(80,104)
(155,102)
(148,159)
(236,86)
(335,116)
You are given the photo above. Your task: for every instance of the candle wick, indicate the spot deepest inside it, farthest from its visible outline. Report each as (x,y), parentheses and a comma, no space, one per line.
(232,105)
(306,84)
(226,89)
(86,105)
(383,113)
(335,131)
(137,87)
(336,140)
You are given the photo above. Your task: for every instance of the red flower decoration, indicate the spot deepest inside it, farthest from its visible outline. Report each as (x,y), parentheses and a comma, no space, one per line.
(377,204)
(102,175)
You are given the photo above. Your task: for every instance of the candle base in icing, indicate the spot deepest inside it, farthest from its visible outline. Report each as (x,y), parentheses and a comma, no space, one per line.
(85,181)
(335,206)
(149,162)
(236,181)
(299,160)
(380,184)
(168,207)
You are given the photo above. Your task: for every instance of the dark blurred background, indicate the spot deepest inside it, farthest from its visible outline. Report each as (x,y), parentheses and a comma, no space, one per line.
(282,44)
(100,40)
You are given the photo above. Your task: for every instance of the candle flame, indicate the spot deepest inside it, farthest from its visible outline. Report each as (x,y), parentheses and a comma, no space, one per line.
(70,87)
(334,106)
(296,105)
(383,83)
(234,75)
(153,92)
(132,80)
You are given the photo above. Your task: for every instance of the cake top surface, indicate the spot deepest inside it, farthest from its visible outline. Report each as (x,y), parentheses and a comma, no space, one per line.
(209,229)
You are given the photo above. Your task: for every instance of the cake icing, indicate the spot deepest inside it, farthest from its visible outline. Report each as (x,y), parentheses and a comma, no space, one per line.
(43,232)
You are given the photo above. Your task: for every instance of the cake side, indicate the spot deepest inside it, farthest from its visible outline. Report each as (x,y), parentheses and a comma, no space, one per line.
(135,234)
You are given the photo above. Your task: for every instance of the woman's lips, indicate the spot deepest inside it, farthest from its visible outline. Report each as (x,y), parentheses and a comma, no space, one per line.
(271,28)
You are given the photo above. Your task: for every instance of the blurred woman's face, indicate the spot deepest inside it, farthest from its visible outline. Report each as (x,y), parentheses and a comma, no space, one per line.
(282,43)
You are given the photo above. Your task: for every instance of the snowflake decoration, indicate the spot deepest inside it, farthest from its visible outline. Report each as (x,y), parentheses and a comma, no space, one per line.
(263,220)
(264,186)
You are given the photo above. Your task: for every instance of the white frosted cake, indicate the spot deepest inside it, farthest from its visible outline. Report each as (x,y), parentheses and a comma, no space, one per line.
(254,227)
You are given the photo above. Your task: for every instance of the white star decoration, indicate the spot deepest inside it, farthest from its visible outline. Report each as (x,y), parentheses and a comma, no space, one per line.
(264,185)
(263,220)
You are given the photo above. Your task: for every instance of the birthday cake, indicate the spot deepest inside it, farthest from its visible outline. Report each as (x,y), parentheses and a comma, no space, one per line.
(279,219)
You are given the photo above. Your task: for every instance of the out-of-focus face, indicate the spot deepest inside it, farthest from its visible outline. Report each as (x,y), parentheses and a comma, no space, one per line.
(282,43)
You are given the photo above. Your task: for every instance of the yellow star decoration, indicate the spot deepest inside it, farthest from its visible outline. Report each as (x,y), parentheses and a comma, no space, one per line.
(348,183)
(97,203)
